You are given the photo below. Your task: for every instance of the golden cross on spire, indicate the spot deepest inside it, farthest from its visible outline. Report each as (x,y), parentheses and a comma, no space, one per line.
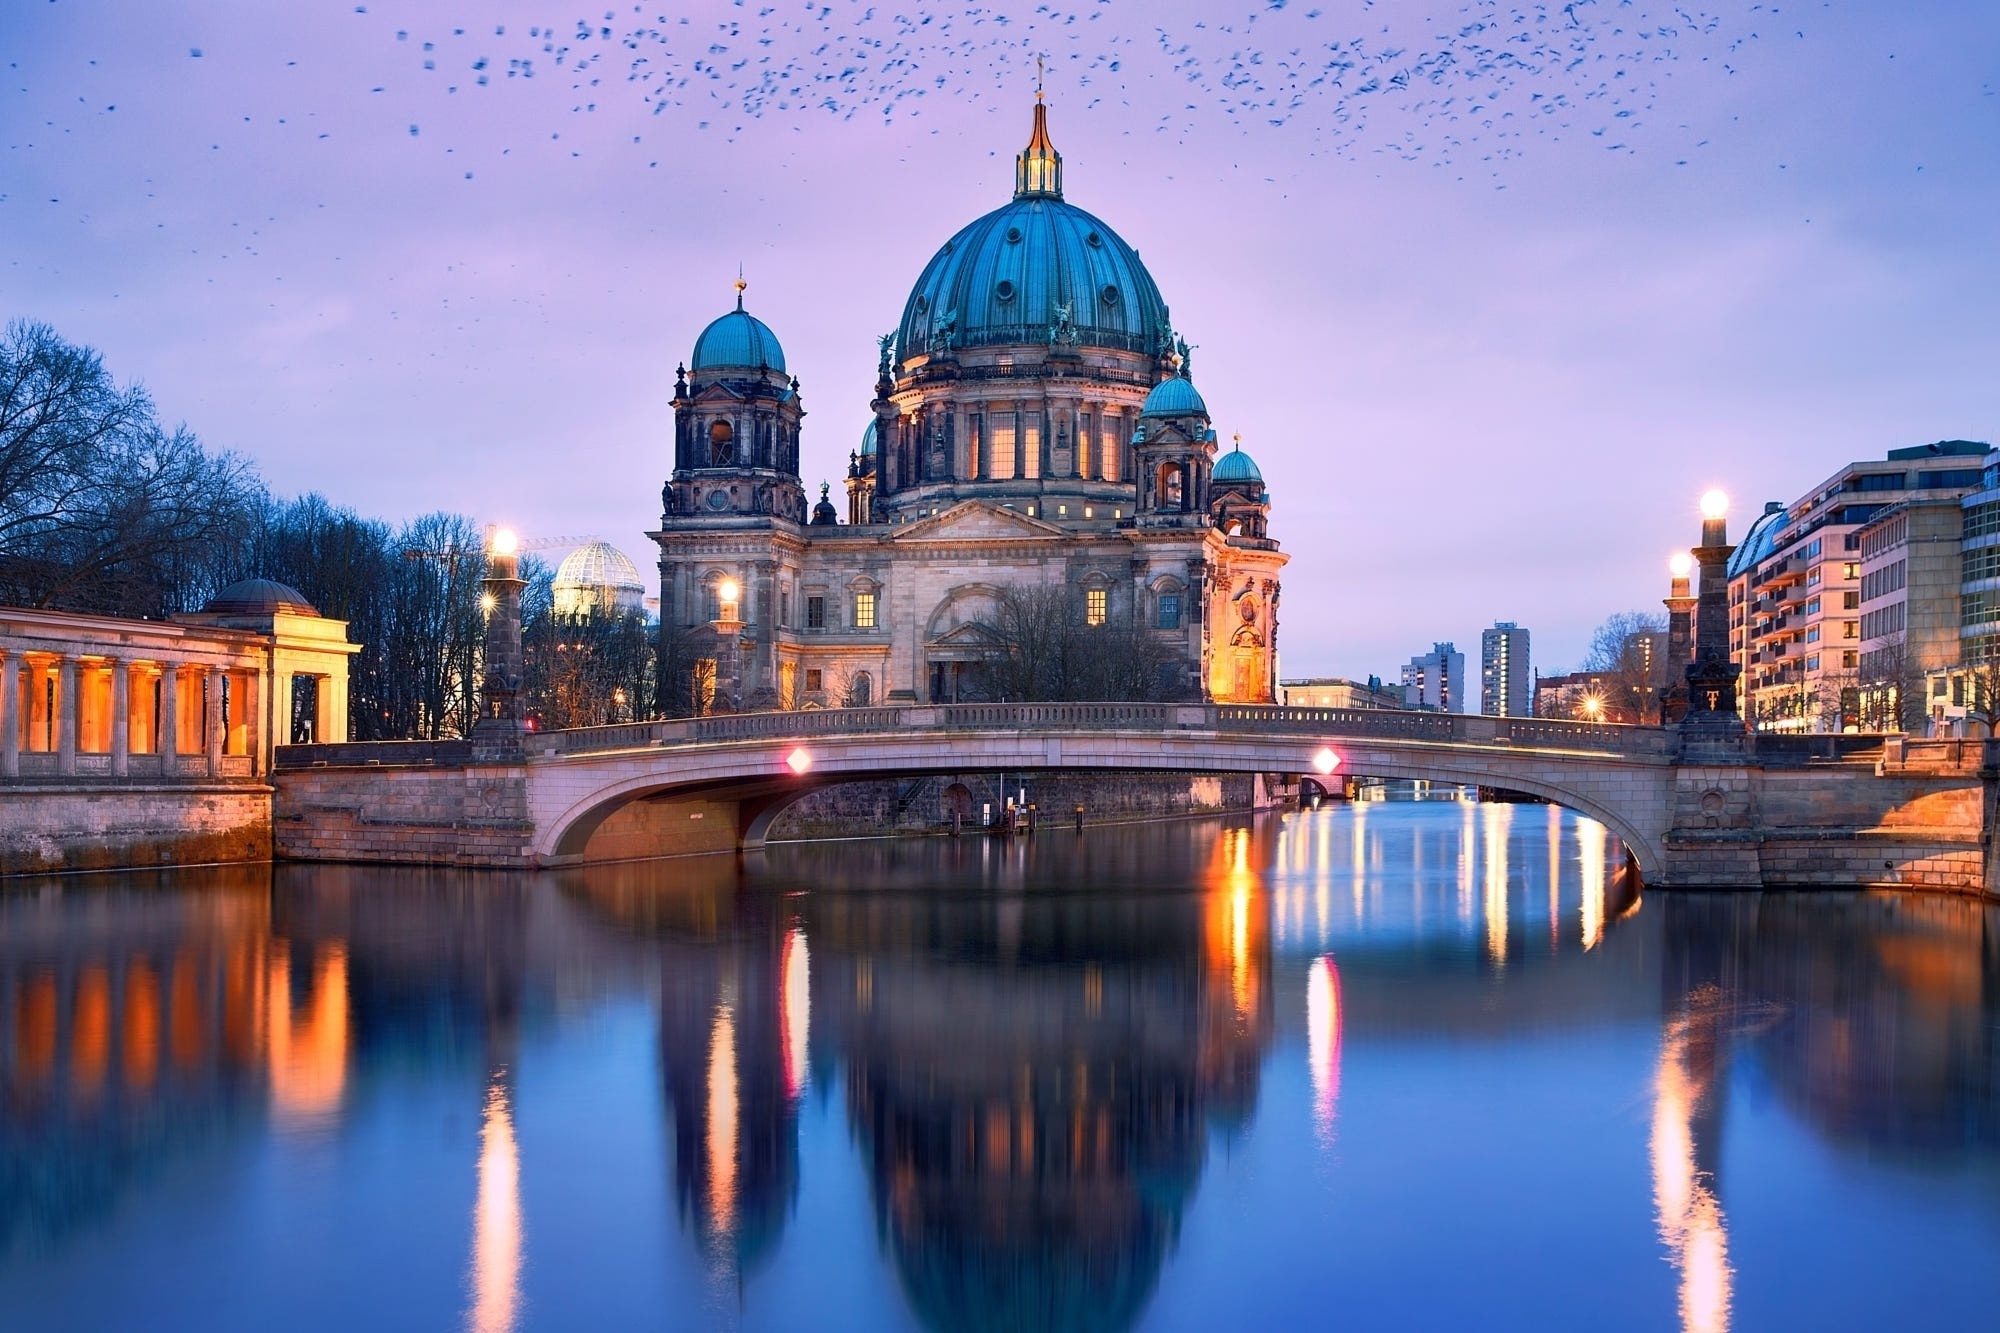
(1238,437)
(1038,77)
(740,285)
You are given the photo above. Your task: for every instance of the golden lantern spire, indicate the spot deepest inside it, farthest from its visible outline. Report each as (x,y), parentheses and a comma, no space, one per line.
(741,286)
(1038,167)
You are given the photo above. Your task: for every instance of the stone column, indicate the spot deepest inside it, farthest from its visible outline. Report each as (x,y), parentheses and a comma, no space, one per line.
(170,718)
(281,708)
(121,717)
(253,729)
(10,715)
(211,719)
(66,715)
(1711,677)
(503,715)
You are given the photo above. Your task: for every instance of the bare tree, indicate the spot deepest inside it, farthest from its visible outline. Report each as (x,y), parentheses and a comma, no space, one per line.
(1628,657)
(101,507)
(1048,650)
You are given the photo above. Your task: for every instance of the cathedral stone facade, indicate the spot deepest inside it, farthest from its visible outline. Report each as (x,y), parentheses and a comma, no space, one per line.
(1034,426)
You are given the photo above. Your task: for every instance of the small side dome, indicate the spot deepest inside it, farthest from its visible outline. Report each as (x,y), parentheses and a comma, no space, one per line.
(1236,466)
(868,439)
(824,514)
(1174,397)
(258,597)
(737,341)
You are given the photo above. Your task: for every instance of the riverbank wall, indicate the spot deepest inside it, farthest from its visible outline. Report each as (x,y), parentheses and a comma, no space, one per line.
(55,827)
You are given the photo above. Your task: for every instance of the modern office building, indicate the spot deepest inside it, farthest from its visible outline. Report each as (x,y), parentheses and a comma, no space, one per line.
(1506,685)
(1963,698)
(1911,574)
(1795,583)
(1436,681)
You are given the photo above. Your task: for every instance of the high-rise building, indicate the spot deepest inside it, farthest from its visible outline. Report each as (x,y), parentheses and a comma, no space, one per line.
(1436,680)
(1505,682)
(1795,589)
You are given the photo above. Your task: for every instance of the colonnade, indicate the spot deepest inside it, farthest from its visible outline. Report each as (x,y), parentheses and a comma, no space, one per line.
(100,714)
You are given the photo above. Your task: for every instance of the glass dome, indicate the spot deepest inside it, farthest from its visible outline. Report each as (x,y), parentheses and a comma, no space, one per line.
(598,578)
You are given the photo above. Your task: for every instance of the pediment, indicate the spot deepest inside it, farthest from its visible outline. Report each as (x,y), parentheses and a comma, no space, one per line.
(971,634)
(977,520)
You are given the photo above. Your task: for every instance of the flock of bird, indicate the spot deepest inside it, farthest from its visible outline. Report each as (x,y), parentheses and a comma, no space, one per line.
(1435,80)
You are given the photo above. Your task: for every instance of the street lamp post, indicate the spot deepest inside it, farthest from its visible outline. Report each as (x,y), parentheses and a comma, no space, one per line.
(1711,678)
(1680,605)
(502,710)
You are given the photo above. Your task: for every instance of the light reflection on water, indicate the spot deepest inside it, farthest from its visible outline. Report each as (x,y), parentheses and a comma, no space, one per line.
(1176,1076)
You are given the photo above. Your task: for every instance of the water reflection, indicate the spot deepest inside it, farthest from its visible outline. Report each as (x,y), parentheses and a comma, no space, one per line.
(496,1226)
(1036,1052)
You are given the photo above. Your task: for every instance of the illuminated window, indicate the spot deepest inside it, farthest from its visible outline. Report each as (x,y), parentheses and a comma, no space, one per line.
(815,613)
(1095,606)
(864,610)
(1850,629)
(1088,512)
(1170,610)
(1850,571)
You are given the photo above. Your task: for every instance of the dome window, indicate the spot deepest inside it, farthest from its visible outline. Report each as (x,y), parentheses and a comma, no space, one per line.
(923,304)
(1109,295)
(1094,241)
(1005,291)
(1013,235)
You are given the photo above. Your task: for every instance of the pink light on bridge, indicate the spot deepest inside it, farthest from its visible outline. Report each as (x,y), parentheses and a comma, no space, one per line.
(1326,760)
(799,760)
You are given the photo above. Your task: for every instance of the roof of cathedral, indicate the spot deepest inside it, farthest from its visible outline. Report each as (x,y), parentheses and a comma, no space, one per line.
(1034,270)
(599,565)
(738,339)
(1174,396)
(868,438)
(1236,466)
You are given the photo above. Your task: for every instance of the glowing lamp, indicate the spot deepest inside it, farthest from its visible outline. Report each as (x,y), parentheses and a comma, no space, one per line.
(505,542)
(727,590)
(1715,503)
(1681,565)
(799,760)
(1326,760)
(487,601)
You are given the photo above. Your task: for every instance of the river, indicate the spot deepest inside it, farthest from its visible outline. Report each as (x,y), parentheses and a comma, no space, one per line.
(1379,1066)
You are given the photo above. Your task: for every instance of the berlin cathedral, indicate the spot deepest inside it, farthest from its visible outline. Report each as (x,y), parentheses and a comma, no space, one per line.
(1034,427)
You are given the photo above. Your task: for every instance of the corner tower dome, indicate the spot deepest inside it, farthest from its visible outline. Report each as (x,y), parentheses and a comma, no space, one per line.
(1035,269)
(738,339)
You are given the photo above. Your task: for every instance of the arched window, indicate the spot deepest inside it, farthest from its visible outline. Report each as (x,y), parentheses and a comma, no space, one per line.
(862,692)
(721,444)
(1170,486)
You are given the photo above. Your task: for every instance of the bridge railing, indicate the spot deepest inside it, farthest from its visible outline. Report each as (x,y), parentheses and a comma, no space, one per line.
(1309,723)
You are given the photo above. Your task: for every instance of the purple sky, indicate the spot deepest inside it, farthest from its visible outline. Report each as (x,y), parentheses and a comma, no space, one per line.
(1489,323)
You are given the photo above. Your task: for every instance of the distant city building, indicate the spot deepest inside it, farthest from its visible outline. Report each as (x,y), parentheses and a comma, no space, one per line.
(1505,683)
(1911,575)
(1339,692)
(1436,681)
(598,579)
(1795,583)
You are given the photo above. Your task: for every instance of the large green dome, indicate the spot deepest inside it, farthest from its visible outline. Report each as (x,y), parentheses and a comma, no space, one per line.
(1005,278)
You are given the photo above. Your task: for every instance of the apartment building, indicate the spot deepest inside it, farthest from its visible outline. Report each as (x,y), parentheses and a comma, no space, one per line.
(1506,685)
(1795,589)
(1436,681)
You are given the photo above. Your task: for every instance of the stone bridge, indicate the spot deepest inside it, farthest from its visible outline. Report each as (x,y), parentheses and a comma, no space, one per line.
(1749,811)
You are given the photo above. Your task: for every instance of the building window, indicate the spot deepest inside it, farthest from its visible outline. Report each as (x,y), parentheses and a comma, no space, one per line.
(1812,663)
(1170,610)
(1096,603)
(1812,634)
(784,608)
(1850,660)
(1812,576)
(1850,570)
(814,680)
(1850,601)
(864,610)
(1850,629)
(815,614)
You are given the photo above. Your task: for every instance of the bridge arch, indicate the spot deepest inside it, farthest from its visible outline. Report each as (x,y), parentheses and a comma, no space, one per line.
(745,785)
